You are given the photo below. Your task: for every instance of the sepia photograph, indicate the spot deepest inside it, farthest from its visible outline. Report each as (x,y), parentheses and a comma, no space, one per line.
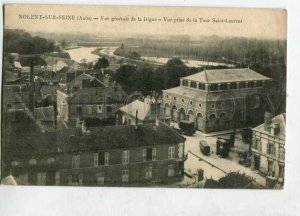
(143,96)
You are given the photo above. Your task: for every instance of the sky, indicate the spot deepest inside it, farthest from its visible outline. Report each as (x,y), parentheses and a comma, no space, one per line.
(259,23)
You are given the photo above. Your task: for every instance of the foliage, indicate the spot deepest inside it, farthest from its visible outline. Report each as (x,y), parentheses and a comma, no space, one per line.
(18,41)
(101,63)
(232,180)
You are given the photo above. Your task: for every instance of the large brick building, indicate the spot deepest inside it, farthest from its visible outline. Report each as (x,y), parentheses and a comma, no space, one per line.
(138,155)
(220,99)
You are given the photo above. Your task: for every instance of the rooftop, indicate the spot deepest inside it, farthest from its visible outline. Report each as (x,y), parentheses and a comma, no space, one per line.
(143,108)
(281,119)
(226,75)
(121,136)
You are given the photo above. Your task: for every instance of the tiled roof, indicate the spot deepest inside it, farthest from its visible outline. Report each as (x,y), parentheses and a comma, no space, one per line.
(226,75)
(281,119)
(186,92)
(121,136)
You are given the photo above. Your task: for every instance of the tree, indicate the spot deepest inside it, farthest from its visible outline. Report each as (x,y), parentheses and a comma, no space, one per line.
(175,69)
(101,63)
(124,76)
(233,180)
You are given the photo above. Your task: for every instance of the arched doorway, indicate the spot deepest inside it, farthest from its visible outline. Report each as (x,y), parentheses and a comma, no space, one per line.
(199,122)
(167,110)
(174,116)
(191,116)
(182,114)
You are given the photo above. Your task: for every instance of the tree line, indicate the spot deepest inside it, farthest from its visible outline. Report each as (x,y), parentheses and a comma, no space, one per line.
(19,41)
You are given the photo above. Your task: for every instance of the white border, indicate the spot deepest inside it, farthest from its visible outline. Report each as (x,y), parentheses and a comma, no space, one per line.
(141,201)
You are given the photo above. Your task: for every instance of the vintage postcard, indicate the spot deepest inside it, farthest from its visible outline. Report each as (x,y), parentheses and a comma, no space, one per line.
(138,96)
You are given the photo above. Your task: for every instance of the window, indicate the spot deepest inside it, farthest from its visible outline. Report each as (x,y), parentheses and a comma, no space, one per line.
(212,116)
(171,152)
(167,96)
(57,178)
(108,109)
(96,159)
(75,161)
(154,154)
(213,87)
(100,178)
(182,100)
(148,173)
(281,171)
(200,105)
(281,153)
(174,98)
(41,178)
(271,149)
(106,158)
(270,168)
(125,175)
(223,86)
(213,106)
(259,84)
(242,85)
(233,86)
(51,160)
(193,85)
(201,86)
(14,163)
(222,116)
(185,83)
(75,179)
(170,170)
(251,84)
(99,109)
(32,162)
(149,154)
(125,157)
(257,144)
(191,102)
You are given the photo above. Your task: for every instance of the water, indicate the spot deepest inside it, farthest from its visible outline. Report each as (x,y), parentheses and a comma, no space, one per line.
(189,63)
(81,53)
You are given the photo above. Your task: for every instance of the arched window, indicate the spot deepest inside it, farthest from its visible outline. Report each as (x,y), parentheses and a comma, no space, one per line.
(222,115)
(212,116)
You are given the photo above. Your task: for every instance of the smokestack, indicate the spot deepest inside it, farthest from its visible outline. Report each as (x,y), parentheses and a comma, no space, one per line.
(268,121)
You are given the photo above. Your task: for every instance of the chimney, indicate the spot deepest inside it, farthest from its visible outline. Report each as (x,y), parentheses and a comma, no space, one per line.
(275,128)
(268,121)
(136,117)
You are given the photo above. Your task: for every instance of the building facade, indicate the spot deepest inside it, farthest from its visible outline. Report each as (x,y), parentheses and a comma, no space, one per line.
(268,147)
(88,97)
(139,155)
(217,100)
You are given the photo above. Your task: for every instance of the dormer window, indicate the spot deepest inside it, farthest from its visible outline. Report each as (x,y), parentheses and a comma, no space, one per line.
(185,83)
(213,87)
(242,85)
(201,86)
(233,86)
(193,85)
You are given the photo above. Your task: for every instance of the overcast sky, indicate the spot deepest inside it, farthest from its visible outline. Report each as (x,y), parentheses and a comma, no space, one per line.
(260,23)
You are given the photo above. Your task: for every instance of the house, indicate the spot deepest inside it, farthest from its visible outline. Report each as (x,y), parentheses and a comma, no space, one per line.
(138,155)
(89,97)
(49,93)
(268,147)
(217,100)
(140,112)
